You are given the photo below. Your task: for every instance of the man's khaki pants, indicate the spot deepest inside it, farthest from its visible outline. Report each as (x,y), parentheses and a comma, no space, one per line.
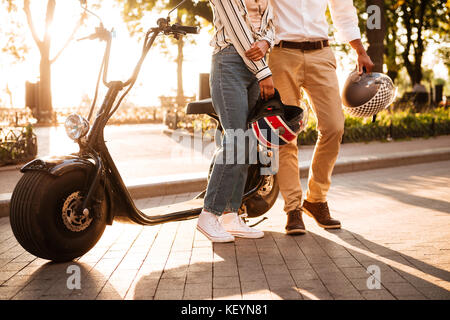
(315,72)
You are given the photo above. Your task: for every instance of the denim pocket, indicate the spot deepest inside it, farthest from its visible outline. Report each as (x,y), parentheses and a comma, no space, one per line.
(228,50)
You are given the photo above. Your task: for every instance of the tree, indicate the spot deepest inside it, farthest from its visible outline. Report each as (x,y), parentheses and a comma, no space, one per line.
(14,45)
(391,40)
(376,33)
(410,26)
(44,110)
(188,14)
(421,19)
(45,106)
(10,28)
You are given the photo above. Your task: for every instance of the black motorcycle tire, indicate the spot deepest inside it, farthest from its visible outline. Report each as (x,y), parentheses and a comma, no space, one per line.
(263,200)
(36,216)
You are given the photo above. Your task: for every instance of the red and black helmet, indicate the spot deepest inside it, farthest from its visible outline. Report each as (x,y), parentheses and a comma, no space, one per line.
(276,124)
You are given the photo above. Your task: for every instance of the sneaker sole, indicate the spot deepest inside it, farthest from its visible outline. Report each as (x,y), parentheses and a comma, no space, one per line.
(214,239)
(246,235)
(336,226)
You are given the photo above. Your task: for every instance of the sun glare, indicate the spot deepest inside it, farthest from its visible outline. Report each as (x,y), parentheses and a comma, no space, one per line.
(75,72)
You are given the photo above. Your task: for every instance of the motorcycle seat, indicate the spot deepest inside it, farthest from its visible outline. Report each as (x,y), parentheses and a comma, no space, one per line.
(201,107)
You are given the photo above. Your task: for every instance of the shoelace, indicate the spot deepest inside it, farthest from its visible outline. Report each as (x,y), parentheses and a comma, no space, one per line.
(324,210)
(215,225)
(241,219)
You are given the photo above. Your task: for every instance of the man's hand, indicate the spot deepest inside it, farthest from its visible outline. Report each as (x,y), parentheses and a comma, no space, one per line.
(258,50)
(364,60)
(267,88)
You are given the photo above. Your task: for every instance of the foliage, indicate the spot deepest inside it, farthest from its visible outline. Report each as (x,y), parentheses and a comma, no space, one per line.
(14,45)
(17,145)
(134,11)
(44,109)
(388,126)
(411,25)
(190,13)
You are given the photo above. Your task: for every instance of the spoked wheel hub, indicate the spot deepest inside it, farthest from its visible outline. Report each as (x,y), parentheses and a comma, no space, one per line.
(74,218)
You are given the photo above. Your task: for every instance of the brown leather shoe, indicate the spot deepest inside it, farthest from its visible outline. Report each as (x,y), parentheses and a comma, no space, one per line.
(295,223)
(321,213)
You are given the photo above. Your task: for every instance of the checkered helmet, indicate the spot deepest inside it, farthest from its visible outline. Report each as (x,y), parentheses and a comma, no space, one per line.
(367,94)
(275,124)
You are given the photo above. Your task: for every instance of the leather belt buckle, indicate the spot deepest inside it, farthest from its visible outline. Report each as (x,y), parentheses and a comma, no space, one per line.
(321,44)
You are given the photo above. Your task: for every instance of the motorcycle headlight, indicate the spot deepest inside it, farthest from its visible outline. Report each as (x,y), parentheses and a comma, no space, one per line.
(76,126)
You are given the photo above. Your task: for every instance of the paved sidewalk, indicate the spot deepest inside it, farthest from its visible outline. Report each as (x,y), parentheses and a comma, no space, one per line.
(170,165)
(395,219)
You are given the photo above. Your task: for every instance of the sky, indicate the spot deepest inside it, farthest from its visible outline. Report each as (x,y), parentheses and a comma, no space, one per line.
(74,74)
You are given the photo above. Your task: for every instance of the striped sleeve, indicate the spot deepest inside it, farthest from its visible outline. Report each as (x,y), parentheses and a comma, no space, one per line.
(240,35)
(269,32)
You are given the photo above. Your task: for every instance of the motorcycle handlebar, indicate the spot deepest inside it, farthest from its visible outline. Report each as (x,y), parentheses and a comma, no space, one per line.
(185,29)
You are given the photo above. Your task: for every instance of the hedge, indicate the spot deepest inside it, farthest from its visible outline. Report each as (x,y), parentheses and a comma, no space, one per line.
(17,145)
(388,126)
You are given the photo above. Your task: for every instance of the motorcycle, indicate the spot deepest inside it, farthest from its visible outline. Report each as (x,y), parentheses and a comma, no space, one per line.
(62,204)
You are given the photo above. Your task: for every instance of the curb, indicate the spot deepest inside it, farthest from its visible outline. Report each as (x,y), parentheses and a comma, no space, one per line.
(11,167)
(198,182)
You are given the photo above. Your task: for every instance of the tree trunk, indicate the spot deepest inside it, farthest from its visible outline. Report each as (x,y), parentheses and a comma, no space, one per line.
(414,16)
(44,108)
(45,91)
(180,59)
(376,38)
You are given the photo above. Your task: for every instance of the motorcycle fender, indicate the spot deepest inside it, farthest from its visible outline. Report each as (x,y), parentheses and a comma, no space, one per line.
(60,165)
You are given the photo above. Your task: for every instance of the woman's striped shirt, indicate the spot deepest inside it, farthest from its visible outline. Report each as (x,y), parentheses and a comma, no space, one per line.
(233,26)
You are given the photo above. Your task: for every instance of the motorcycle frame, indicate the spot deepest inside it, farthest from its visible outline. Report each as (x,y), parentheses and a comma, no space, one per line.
(103,173)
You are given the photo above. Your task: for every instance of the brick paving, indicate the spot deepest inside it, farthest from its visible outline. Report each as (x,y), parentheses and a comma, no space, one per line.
(395,219)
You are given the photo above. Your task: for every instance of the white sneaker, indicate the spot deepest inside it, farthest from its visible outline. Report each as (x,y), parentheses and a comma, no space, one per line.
(234,224)
(208,224)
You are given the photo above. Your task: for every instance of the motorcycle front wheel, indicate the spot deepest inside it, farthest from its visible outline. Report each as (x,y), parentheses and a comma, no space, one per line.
(46,216)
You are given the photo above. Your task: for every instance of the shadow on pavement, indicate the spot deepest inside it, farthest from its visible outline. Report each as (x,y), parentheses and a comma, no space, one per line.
(411,199)
(302,267)
(66,281)
(402,261)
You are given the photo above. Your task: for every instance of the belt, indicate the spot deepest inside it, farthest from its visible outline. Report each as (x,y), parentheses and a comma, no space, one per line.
(307,45)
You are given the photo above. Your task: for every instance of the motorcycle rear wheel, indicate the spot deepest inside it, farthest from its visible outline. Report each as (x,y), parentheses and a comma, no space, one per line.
(45,216)
(261,201)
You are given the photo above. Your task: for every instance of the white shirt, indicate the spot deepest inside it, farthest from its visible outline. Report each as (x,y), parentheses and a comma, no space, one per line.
(256,9)
(305,20)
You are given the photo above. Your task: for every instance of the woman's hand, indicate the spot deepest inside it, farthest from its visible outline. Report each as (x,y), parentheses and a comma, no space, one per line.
(267,88)
(258,50)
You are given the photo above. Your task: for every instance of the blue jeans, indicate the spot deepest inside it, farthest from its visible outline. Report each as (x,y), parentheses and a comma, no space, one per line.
(234,89)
